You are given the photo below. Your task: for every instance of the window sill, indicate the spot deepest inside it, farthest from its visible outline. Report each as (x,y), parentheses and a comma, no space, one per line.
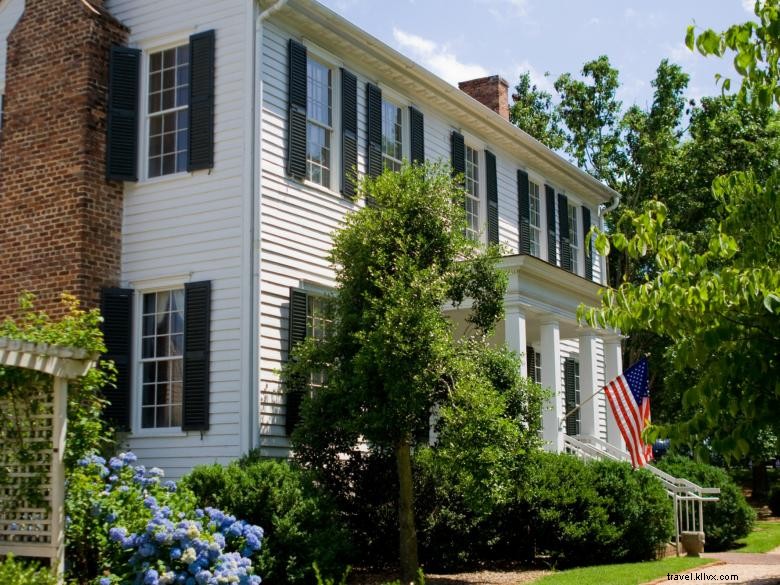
(155,433)
(165,178)
(321,189)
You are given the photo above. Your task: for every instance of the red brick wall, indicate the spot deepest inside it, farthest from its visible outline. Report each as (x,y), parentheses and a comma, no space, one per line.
(60,220)
(492,91)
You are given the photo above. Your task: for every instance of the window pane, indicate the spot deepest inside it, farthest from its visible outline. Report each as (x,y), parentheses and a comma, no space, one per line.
(392,135)
(168,111)
(147,417)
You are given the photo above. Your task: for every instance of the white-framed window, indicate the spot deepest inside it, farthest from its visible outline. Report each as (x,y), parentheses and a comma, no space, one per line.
(392,135)
(472,192)
(162,351)
(578,415)
(537,367)
(574,239)
(535,213)
(167,110)
(319,124)
(318,322)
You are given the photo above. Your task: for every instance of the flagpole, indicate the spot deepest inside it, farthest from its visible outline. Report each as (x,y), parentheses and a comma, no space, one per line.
(580,405)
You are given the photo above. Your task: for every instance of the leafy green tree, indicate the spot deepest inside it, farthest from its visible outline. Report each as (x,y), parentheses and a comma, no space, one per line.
(533,111)
(591,112)
(391,356)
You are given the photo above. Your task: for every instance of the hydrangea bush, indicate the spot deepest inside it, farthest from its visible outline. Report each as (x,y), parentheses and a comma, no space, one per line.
(126,525)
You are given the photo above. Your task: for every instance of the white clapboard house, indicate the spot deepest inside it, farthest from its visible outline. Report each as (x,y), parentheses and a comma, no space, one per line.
(233,126)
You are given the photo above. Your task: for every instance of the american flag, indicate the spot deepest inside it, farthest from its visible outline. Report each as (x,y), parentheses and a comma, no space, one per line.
(629,397)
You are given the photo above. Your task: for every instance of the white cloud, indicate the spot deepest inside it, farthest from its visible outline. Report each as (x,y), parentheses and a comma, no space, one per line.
(539,79)
(504,8)
(748,5)
(438,58)
(680,53)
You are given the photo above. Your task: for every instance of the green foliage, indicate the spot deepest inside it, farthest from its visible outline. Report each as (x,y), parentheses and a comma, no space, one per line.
(391,355)
(591,113)
(757,48)
(17,572)
(585,512)
(25,391)
(533,111)
(774,500)
(300,522)
(726,520)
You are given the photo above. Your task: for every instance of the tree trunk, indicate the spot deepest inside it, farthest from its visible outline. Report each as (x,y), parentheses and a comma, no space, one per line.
(760,481)
(407,533)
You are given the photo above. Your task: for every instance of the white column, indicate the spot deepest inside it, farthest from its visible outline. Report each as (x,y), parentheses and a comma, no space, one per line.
(589,413)
(613,365)
(515,335)
(552,411)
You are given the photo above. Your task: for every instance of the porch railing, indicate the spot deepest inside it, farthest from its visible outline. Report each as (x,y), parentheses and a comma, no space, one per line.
(688,498)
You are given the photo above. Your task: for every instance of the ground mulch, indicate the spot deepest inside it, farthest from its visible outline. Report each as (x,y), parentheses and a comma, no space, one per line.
(510,577)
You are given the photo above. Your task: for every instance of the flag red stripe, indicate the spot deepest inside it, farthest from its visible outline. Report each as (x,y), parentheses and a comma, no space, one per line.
(629,413)
(637,420)
(617,410)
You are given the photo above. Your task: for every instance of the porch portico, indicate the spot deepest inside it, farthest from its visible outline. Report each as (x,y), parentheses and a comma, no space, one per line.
(572,361)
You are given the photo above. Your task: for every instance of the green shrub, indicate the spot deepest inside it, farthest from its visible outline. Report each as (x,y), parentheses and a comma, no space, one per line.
(600,511)
(774,500)
(728,519)
(16,572)
(300,523)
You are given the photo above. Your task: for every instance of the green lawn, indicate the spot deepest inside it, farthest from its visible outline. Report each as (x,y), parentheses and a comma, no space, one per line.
(765,537)
(626,574)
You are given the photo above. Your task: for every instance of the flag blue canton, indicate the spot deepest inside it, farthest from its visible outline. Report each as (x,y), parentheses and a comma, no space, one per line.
(636,376)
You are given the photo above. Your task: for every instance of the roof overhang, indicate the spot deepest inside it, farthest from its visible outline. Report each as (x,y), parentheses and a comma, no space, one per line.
(379,62)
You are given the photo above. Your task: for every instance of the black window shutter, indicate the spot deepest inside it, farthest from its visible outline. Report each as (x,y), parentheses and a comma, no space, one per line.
(457,153)
(417,135)
(116,306)
(201,137)
(563,226)
(585,240)
(374,113)
(524,209)
(572,421)
(349,125)
(122,124)
(492,197)
(296,109)
(530,363)
(197,341)
(549,195)
(297,333)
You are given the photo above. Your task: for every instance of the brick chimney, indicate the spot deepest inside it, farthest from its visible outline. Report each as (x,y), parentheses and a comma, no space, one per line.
(491,91)
(60,220)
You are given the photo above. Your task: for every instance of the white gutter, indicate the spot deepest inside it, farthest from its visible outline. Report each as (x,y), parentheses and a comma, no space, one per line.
(250,297)
(605,209)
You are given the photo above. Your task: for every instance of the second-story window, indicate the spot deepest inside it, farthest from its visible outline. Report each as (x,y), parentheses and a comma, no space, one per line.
(472,192)
(392,136)
(535,211)
(319,126)
(168,113)
(575,241)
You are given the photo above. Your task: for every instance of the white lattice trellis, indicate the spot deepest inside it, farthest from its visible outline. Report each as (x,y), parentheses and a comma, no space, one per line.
(27,530)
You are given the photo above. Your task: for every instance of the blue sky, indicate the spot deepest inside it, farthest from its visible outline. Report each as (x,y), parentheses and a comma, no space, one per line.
(464,39)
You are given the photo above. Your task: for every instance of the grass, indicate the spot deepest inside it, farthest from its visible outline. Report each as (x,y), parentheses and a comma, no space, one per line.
(765,537)
(625,574)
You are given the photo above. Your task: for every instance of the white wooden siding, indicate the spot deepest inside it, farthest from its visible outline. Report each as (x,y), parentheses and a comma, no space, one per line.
(192,224)
(297,220)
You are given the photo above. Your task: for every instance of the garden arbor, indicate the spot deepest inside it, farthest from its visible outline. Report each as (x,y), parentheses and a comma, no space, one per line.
(32,448)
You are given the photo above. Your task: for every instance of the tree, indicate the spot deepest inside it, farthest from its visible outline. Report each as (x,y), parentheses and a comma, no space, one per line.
(533,111)
(719,305)
(391,354)
(591,113)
